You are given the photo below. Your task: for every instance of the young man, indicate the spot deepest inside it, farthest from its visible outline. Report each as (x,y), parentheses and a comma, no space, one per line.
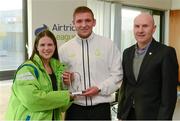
(96,64)
(150,69)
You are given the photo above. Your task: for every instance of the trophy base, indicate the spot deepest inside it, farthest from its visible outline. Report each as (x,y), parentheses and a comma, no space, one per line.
(76,93)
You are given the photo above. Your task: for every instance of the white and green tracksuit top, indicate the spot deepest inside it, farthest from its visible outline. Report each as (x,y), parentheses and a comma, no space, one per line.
(95,61)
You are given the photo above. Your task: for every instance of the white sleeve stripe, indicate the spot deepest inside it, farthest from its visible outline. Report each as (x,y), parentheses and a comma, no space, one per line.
(25,76)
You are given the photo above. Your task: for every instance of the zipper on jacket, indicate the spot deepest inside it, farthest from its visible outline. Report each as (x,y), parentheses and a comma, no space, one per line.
(84,68)
(88,67)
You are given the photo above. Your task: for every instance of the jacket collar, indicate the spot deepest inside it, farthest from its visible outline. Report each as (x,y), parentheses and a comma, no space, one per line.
(37,60)
(89,38)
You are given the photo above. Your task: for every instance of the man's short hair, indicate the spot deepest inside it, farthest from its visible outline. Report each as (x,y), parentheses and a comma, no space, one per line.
(82,9)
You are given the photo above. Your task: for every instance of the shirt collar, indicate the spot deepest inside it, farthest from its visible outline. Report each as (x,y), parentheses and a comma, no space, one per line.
(142,50)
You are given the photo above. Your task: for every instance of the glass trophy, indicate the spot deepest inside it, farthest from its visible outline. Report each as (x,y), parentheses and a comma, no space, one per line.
(76,84)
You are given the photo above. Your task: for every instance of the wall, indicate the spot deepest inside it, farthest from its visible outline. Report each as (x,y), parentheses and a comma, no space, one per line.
(174,28)
(175,5)
(174,38)
(157,4)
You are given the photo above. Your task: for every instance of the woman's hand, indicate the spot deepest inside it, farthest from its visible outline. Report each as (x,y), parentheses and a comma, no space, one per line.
(72,97)
(68,77)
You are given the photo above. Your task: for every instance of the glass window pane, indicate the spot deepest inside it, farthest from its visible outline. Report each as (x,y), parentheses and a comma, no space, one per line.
(12,50)
(127,36)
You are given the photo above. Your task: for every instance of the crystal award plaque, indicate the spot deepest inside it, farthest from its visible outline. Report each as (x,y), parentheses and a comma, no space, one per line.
(76,85)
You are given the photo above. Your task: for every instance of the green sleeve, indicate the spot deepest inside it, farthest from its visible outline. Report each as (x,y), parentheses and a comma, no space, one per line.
(34,98)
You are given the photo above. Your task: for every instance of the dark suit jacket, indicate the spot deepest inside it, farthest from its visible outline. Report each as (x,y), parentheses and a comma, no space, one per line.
(154,93)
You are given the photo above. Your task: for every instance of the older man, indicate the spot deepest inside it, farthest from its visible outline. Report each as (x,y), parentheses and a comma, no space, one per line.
(149,89)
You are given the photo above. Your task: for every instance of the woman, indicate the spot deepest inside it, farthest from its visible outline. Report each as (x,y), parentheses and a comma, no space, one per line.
(37,89)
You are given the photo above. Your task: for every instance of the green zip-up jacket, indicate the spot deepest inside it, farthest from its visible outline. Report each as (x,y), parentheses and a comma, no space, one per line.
(33,97)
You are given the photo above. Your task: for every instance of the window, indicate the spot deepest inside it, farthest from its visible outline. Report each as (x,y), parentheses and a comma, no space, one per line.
(12,42)
(127,37)
(115,21)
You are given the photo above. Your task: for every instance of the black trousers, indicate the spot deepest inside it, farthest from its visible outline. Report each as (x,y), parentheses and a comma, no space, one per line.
(97,112)
(132,114)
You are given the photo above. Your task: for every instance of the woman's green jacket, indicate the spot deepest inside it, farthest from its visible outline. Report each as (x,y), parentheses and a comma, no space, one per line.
(33,97)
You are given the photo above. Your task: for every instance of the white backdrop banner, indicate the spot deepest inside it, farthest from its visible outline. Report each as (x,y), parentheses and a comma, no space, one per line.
(56,14)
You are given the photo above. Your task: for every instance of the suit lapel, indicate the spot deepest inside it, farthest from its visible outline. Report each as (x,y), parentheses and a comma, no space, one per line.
(130,64)
(146,59)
